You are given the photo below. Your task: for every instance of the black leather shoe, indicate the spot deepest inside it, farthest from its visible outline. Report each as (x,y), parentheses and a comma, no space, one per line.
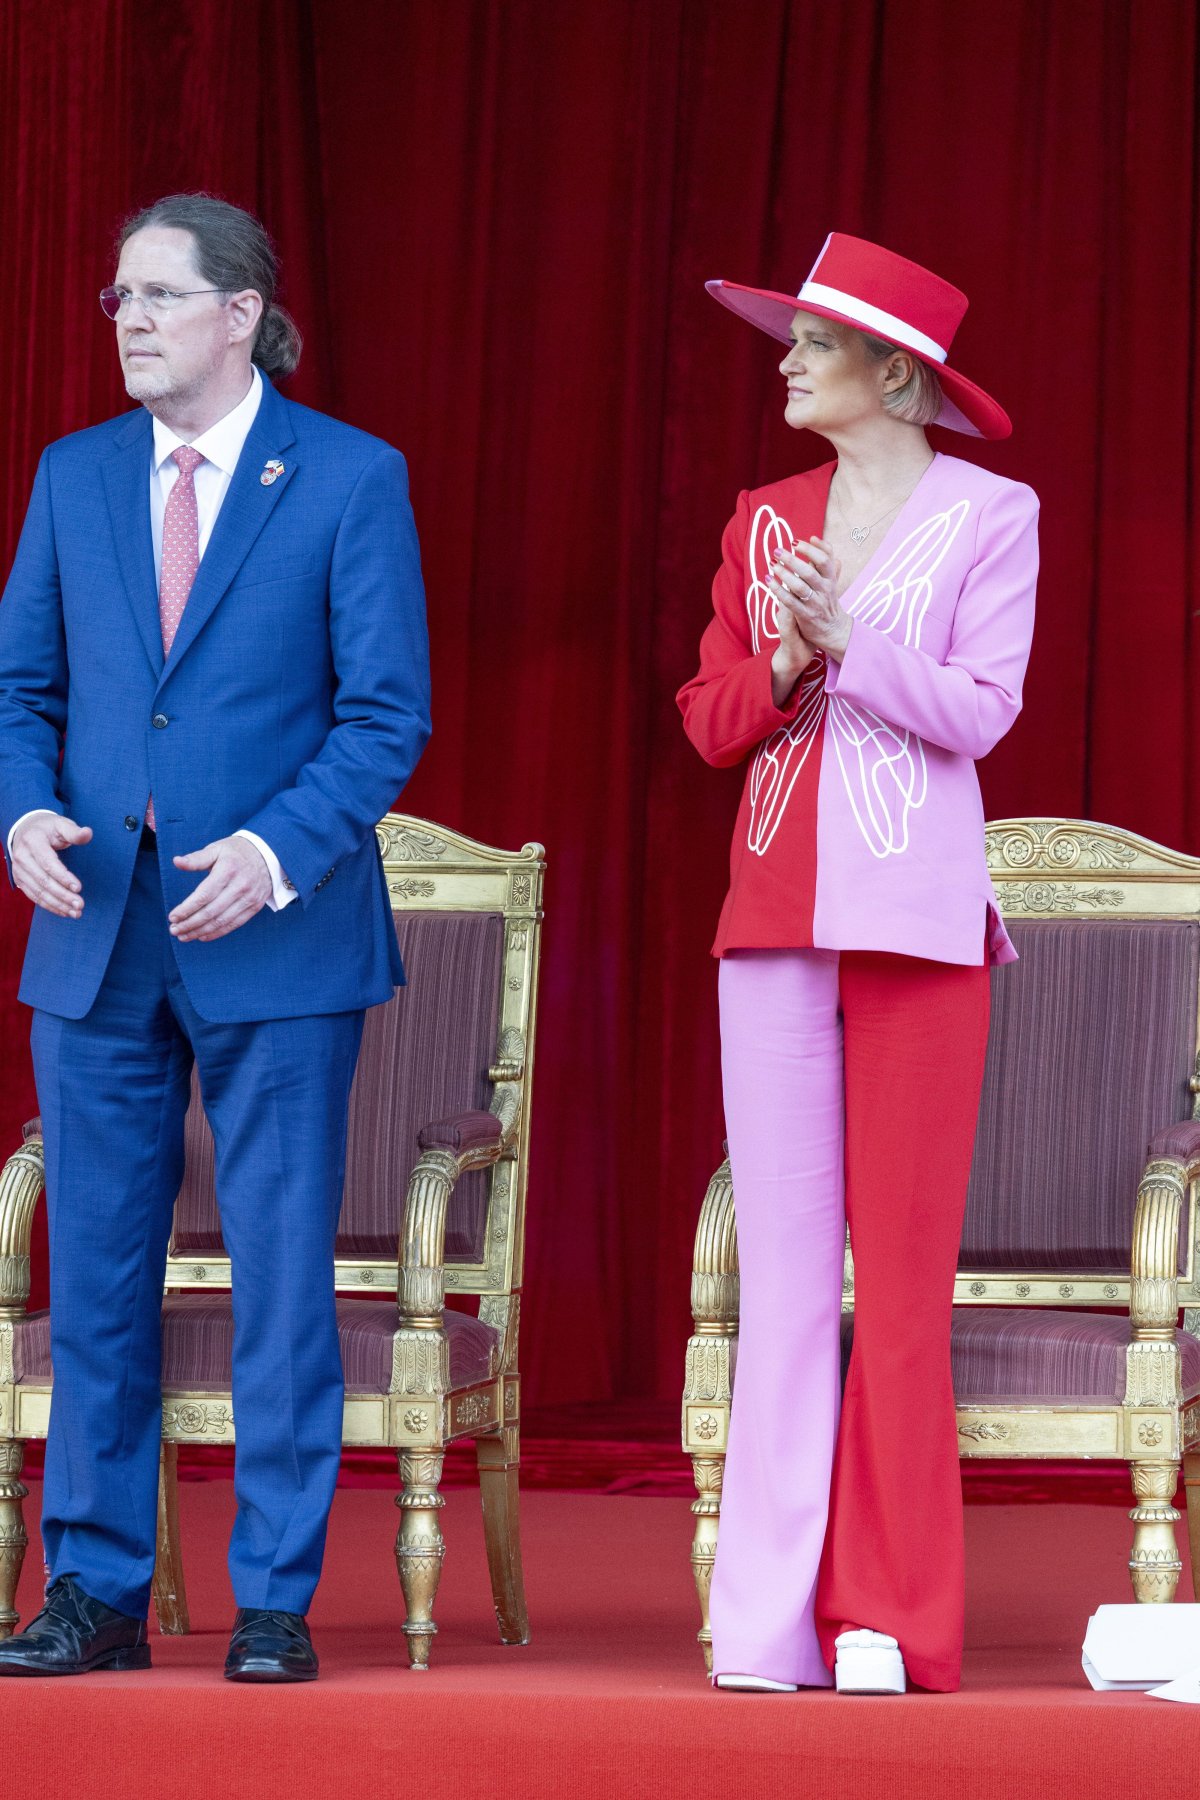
(270,1646)
(74,1634)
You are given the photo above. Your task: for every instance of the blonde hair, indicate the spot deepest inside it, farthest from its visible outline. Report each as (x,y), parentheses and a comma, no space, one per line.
(919,400)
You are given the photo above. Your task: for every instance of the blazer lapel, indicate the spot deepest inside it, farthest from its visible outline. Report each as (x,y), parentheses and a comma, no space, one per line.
(126,472)
(244,511)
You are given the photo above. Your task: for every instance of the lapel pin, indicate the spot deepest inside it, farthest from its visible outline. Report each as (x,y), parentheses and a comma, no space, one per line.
(272,472)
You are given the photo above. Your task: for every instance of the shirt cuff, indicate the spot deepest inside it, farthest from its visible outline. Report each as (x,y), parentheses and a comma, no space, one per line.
(282,891)
(47,812)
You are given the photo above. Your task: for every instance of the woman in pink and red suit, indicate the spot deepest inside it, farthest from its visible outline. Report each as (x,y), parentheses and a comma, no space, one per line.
(872,623)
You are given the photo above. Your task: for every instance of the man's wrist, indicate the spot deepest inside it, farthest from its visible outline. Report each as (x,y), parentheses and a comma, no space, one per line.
(282,891)
(38,812)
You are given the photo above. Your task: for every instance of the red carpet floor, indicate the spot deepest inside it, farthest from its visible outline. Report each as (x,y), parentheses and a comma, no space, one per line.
(609,1698)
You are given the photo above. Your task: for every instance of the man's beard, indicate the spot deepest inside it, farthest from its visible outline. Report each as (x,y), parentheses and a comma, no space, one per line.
(152,384)
(144,381)
(156,386)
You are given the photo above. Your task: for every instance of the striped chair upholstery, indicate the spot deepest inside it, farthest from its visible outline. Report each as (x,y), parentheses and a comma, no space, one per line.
(1023,1354)
(1091,1050)
(197,1345)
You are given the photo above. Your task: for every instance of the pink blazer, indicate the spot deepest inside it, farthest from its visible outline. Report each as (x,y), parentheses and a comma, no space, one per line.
(861,823)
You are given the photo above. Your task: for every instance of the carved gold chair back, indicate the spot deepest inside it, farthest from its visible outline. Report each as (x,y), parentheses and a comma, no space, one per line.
(1092,1058)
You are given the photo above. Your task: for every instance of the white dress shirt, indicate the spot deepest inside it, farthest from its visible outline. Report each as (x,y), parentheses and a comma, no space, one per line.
(220,446)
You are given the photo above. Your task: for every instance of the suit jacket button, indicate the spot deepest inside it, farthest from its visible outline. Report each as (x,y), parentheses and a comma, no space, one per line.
(131,824)
(160,721)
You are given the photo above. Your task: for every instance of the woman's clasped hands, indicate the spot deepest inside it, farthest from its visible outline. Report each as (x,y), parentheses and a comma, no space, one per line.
(808,614)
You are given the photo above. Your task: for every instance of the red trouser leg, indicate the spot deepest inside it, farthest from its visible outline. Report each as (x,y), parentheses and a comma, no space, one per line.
(915,1035)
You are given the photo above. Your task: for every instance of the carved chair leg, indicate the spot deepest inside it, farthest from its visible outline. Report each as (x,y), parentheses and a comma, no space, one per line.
(170,1594)
(497,1459)
(13,1536)
(420,1547)
(708,1472)
(1154,1564)
(1191,1487)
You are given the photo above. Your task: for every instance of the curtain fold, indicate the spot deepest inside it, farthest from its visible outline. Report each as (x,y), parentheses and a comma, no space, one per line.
(495,219)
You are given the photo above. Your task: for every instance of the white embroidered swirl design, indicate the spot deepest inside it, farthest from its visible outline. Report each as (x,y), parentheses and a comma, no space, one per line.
(883,767)
(780,758)
(900,592)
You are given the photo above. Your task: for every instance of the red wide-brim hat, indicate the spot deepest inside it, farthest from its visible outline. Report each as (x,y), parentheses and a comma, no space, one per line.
(874,290)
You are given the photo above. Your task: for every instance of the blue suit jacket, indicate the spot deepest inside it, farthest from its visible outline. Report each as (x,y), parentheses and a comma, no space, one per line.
(295,701)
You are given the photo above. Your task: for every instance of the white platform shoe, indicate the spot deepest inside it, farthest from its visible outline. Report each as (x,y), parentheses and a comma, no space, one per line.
(756,1684)
(869,1662)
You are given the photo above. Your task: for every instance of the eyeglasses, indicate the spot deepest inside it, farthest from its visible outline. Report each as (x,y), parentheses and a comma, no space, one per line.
(155,301)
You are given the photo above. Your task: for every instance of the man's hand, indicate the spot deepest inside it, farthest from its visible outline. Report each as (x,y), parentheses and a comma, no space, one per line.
(39,871)
(238,887)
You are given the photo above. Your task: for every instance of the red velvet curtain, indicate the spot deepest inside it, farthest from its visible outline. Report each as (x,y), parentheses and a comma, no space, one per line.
(495,220)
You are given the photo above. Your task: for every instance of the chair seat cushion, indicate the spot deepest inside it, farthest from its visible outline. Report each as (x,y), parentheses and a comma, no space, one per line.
(198,1345)
(998,1353)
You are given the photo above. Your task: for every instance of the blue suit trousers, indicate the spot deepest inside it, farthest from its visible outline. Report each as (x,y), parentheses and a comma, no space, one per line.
(113,1088)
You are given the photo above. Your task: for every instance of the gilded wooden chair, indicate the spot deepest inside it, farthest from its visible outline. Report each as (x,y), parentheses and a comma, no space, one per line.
(434,1203)
(1079,1247)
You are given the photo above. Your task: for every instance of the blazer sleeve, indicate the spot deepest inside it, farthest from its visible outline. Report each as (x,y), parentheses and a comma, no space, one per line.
(727,706)
(33,668)
(380,652)
(968,703)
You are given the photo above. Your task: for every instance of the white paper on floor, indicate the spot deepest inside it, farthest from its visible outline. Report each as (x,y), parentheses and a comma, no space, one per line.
(1145,1648)
(1186,1688)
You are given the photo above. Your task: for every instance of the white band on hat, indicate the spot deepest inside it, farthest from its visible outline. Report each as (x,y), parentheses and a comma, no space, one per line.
(885,323)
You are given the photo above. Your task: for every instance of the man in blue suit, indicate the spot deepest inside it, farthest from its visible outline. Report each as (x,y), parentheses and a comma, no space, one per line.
(213,683)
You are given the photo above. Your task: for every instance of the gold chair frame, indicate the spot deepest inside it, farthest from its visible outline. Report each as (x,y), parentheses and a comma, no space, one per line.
(428,869)
(1042,869)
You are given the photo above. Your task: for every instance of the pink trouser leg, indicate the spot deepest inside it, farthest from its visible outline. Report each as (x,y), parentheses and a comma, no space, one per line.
(781,1050)
(915,1042)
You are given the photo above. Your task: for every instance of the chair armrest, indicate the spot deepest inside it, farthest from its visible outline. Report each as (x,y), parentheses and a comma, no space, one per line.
(715,1280)
(465,1140)
(21,1181)
(1173,1164)
(462,1131)
(1179,1144)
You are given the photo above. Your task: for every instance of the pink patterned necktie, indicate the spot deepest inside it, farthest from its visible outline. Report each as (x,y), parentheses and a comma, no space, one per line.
(180,555)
